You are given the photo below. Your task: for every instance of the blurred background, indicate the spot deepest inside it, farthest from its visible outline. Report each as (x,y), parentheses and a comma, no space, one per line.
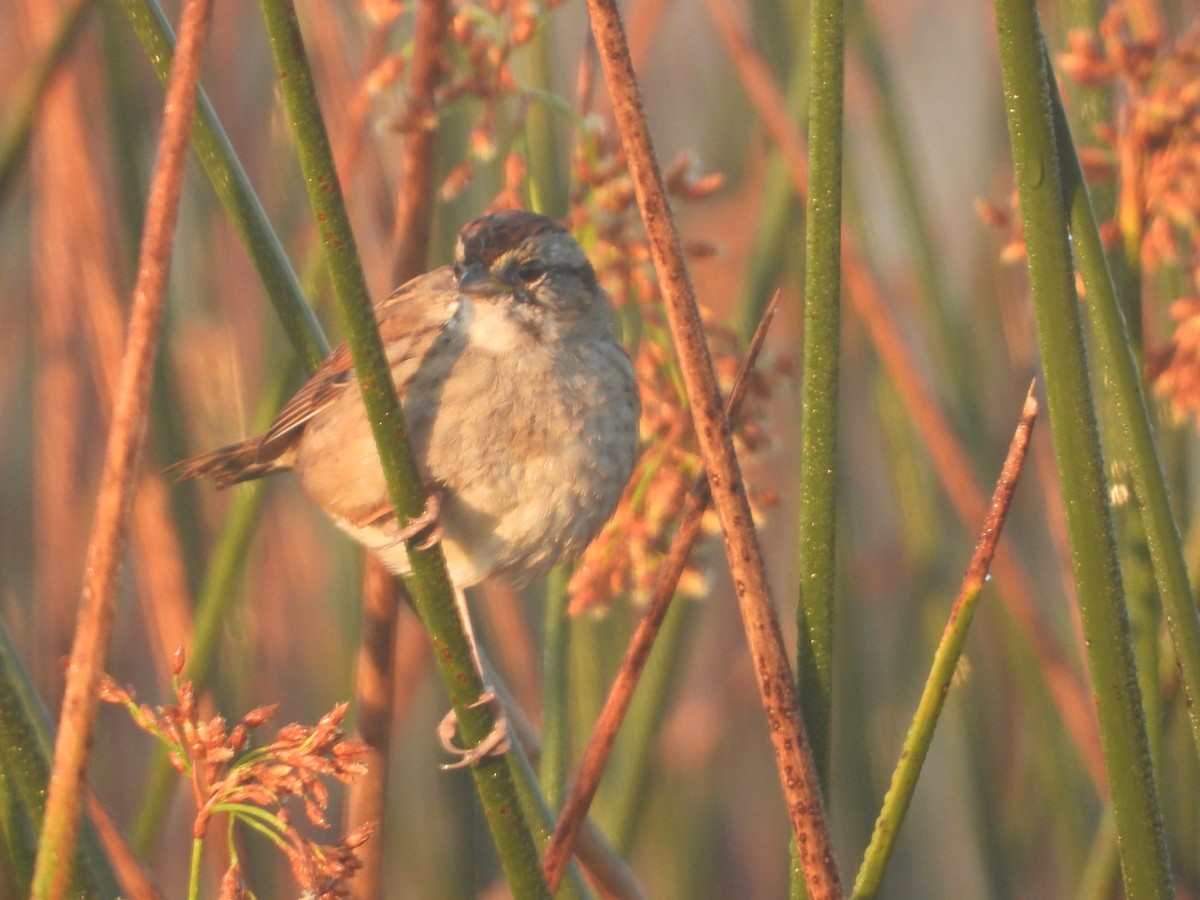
(1011,800)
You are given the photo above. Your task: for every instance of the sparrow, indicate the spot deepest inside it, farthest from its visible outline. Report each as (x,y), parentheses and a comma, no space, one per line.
(520,402)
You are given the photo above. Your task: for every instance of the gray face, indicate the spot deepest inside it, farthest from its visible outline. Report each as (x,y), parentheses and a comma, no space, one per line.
(528,263)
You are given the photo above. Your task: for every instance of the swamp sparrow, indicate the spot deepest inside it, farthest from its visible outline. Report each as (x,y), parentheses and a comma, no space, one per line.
(520,402)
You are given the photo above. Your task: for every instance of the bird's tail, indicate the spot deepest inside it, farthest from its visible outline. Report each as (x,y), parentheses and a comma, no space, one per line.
(243,461)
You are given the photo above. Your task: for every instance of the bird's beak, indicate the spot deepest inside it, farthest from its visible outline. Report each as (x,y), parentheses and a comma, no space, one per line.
(476,281)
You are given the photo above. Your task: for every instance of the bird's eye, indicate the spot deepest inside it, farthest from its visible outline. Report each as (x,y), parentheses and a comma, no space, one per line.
(531,271)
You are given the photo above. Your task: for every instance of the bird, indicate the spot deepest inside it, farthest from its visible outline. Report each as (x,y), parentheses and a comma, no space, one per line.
(520,401)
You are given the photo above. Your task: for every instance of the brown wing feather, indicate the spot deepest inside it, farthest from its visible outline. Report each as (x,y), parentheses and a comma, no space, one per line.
(227,465)
(331,377)
(410,320)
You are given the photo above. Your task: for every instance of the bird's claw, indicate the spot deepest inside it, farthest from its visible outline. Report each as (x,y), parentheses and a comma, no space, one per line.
(427,521)
(495,744)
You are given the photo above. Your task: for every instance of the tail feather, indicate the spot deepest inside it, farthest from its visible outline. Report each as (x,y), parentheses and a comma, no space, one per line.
(243,461)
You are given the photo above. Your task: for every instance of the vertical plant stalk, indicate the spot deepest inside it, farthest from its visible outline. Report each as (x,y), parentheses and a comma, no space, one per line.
(950,461)
(1114,347)
(797,773)
(547,182)
(73,258)
(114,501)
(383,699)
(819,386)
(1144,860)
(374,693)
(556,694)
(428,583)
(945,661)
(637,654)
(414,206)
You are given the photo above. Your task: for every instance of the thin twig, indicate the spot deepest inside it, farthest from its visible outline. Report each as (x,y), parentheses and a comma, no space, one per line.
(797,773)
(53,869)
(945,663)
(620,695)
(953,470)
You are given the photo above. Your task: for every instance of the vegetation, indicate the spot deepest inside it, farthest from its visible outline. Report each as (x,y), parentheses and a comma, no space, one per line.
(994,198)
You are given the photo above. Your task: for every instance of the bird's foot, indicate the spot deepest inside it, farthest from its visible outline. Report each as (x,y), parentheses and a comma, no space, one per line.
(425,524)
(495,744)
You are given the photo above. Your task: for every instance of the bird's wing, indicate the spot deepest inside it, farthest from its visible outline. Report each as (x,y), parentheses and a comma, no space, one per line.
(410,320)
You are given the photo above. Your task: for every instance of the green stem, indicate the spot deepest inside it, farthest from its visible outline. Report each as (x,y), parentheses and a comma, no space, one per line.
(945,662)
(547,186)
(428,583)
(912,756)
(1076,443)
(819,393)
(1115,349)
(228,178)
(26,747)
(194,869)
(556,744)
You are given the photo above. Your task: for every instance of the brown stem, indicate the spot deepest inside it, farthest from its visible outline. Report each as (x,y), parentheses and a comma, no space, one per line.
(797,774)
(393,664)
(374,694)
(136,883)
(414,206)
(160,571)
(52,870)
